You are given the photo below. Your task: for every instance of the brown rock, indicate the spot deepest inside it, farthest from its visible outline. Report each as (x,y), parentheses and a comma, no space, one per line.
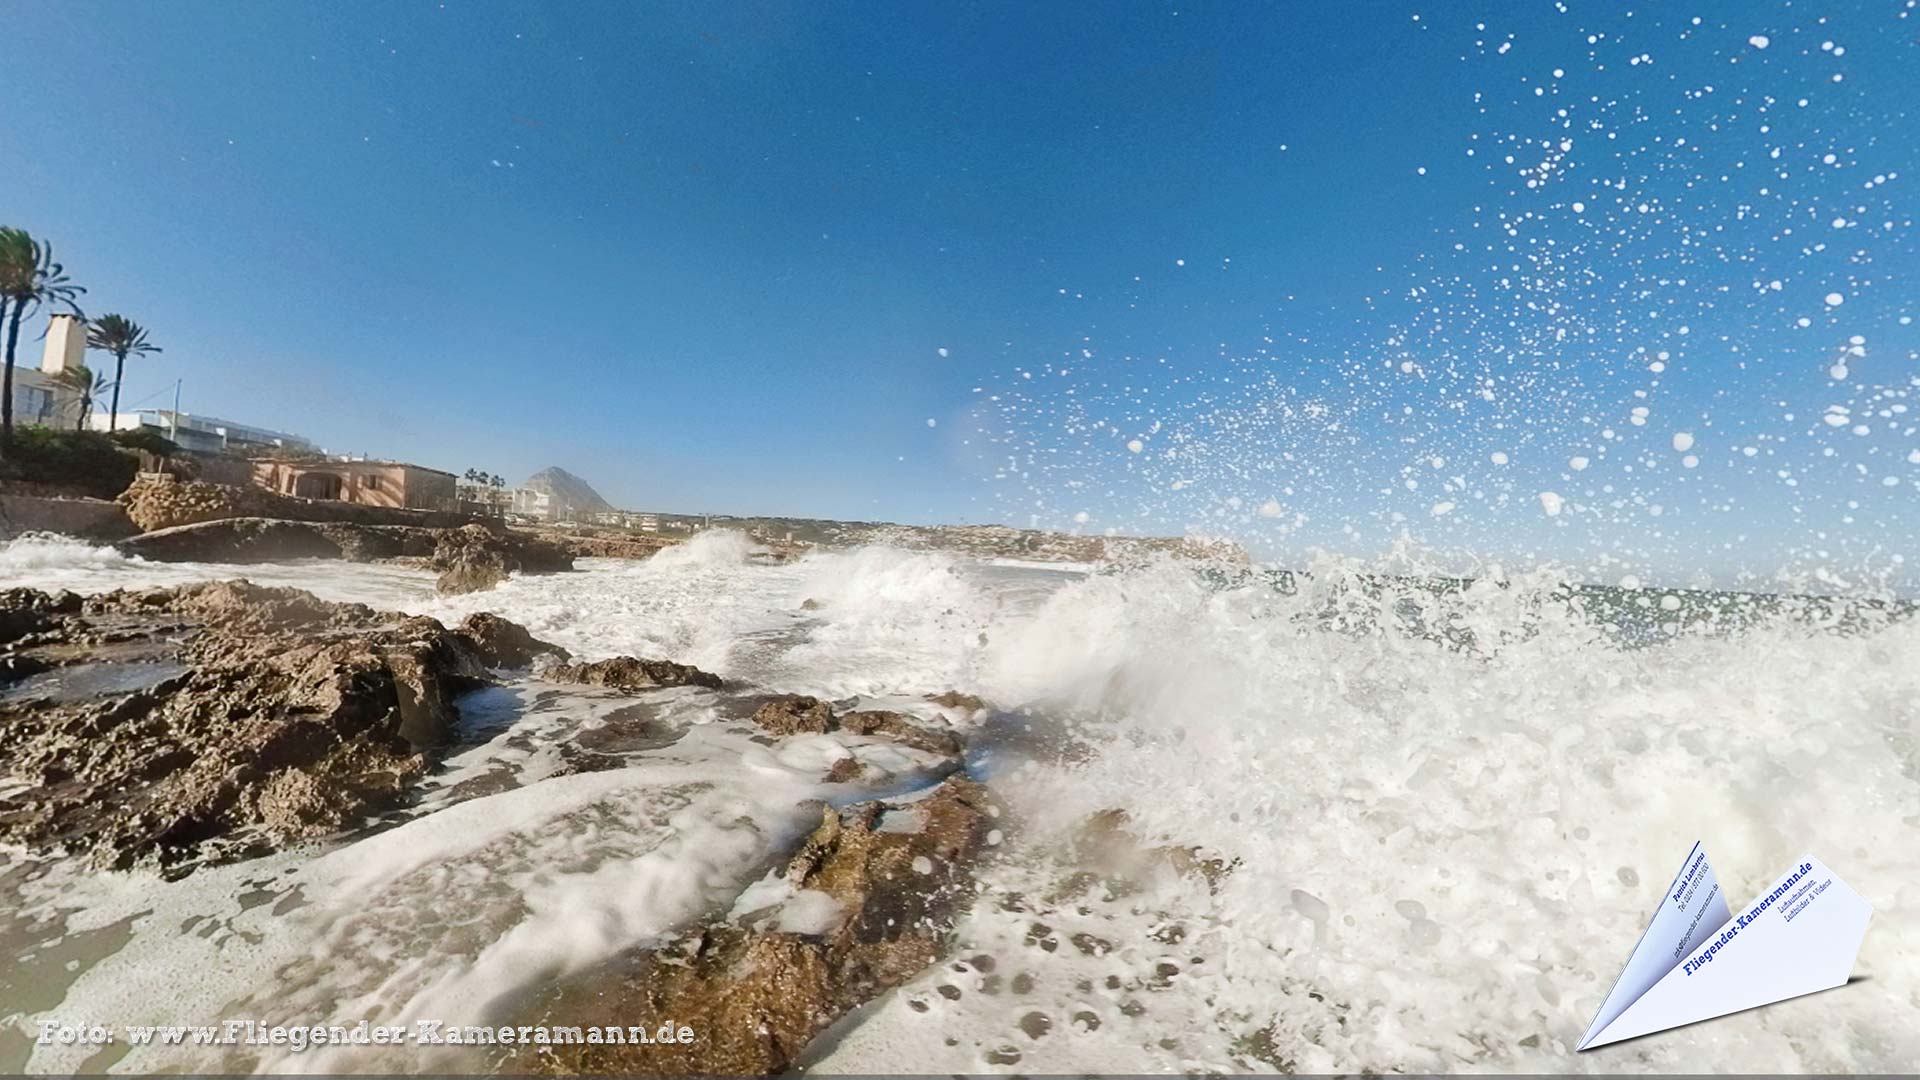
(902,729)
(162,501)
(258,539)
(954,699)
(505,644)
(474,558)
(1107,840)
(594,546)
(794,714)
(29,611)
(156,501)
(755,996)
(225,718)
(633,673)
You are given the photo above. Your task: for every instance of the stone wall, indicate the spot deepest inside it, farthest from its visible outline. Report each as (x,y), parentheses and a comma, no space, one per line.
(88,519)
(160,501)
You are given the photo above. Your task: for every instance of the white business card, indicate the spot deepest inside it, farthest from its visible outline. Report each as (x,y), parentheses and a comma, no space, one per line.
(1698,960)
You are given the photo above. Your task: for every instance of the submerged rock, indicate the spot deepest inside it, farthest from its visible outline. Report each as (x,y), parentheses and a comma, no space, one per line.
(633,673)
(954,699)
(169,726)
(795,714)
(901,728)
(1107,839)
(869,907)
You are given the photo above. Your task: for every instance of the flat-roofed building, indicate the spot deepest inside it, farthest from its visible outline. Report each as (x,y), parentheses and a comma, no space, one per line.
(206,433)
(368,483)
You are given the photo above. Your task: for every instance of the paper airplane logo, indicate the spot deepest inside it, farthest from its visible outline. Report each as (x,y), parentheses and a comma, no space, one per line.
(1698,960)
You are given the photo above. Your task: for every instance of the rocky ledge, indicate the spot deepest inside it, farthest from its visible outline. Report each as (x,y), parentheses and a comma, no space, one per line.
(868,901)
(174,726)
(633,673)
(470,558)
(794,714)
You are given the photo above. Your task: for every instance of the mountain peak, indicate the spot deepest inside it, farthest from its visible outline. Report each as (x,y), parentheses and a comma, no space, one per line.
(567,490)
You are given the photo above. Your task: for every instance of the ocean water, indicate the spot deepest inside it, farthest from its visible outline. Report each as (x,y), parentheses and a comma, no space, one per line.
(1443,816)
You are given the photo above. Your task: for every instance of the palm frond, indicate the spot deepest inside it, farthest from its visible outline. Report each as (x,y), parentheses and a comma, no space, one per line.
(120,336)
(30,276)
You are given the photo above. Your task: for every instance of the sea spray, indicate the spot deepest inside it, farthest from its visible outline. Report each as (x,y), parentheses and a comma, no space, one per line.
(1434,801)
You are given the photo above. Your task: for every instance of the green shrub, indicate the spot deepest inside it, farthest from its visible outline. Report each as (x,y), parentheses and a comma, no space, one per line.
(146,439)
(84,461)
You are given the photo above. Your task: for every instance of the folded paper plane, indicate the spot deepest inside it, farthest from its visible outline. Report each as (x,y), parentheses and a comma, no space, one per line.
(1698,959)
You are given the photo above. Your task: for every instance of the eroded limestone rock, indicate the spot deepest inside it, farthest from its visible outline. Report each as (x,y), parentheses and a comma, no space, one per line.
(633,673)
(170,726)
(873,907)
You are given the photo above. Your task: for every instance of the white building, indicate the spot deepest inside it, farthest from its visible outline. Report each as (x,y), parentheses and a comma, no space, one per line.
(42,397)
(533,504)
(191,432)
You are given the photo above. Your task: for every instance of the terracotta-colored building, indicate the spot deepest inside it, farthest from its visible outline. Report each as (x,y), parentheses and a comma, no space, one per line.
(368,483)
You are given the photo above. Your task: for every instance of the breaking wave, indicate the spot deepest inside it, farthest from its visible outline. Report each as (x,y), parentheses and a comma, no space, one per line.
(1442,807)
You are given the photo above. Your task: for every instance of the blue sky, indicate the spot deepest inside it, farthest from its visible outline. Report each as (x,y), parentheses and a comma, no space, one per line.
(707,256)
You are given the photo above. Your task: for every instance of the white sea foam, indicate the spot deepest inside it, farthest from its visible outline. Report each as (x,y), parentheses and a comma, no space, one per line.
(1441,853)
(1447,815)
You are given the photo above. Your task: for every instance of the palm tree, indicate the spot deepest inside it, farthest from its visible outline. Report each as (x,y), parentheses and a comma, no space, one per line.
(28,278)
(122,337)
(89,386)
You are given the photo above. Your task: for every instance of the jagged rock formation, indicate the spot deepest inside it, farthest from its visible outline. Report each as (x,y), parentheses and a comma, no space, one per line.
(873,898)
(794,714)
(169,726)
(505,644)
(157,501)
(255,539)
(633,673)
(601,544)
(473,558)
(469,558)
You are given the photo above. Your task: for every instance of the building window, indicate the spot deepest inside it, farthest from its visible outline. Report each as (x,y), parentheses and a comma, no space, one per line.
(36,404)
(373,483)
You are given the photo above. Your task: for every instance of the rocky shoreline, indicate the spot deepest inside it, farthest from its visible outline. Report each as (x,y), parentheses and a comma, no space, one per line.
(868,900)
(173,729)
(167,727)
(471,558)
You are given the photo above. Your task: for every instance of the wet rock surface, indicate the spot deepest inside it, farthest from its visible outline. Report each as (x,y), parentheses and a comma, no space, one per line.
(258,539)
(181,725)
(902,729)
(506,644)
(795,714)
(954,699)
(633,673)
(474,558)
(470,558)
(871,903)
(602,546)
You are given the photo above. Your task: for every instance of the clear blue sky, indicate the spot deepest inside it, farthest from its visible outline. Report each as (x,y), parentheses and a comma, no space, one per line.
(707,255)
